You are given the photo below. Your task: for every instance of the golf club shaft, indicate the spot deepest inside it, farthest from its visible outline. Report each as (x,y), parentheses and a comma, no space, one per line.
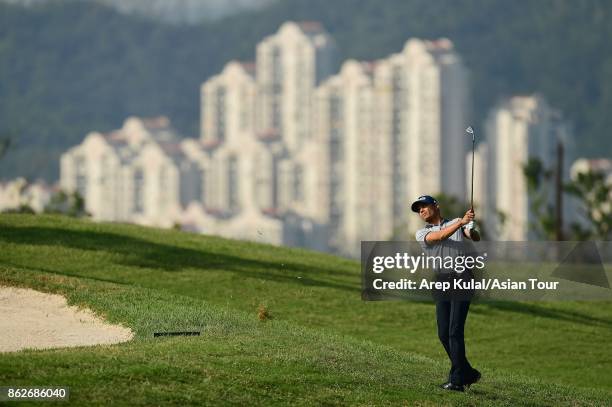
(472,195)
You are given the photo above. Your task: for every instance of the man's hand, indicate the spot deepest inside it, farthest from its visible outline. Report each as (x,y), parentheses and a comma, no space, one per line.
(467,218)
(470,228)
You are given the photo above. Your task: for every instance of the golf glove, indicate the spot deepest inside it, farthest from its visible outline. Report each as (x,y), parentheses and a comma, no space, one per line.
(471,225)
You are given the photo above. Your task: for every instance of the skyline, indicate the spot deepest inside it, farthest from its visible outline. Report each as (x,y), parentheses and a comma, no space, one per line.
(148,69)
(257,169)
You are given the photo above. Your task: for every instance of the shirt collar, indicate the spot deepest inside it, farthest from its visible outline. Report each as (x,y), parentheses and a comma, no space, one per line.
(430,225)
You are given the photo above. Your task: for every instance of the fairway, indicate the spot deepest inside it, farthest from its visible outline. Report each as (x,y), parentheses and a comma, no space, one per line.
(320,345)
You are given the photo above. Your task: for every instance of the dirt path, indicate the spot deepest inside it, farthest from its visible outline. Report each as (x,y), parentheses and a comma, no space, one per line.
(34,320)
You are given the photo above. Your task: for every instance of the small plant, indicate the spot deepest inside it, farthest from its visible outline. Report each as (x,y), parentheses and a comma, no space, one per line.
(71,204)
(262,313)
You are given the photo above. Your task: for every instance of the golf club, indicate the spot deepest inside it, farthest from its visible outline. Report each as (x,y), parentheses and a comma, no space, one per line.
(475,234)
(469,130)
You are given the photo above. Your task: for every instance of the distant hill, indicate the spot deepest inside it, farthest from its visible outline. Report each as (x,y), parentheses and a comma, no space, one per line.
(70,67)
(172,11)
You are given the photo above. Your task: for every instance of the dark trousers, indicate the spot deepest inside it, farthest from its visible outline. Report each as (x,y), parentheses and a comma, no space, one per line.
(451,316)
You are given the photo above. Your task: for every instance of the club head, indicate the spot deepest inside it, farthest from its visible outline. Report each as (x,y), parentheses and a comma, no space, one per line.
(470,130)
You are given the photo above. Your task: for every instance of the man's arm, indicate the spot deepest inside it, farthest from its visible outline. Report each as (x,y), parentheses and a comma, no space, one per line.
(440,235)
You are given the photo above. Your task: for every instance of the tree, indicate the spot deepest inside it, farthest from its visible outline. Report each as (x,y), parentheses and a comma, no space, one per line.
(71,204)
(594,193)
(538,180)
(23,208)
(450,206)
(5,143)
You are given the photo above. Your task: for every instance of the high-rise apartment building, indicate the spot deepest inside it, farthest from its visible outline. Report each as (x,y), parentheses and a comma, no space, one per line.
(520,130)
(290,64)
(138,173)
(347,166)
(264,172)
(423,112)
(228,114)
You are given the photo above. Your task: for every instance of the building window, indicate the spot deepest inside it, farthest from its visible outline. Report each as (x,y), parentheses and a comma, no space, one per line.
(336,116)
(220,96)
(232,177)
(203,193)
(163,186)
(298,183)
(244,108)
(277,88)
(139,191)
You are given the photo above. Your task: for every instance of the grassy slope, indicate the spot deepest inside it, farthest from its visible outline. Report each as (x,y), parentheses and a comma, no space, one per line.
(359,352)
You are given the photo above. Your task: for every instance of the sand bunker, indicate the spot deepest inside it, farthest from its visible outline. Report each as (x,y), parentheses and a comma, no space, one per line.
(33,320)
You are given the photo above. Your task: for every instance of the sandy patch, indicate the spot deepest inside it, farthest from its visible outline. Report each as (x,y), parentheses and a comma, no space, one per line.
(34,320)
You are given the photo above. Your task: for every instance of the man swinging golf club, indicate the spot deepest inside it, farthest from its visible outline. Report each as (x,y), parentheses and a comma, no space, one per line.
(451,313)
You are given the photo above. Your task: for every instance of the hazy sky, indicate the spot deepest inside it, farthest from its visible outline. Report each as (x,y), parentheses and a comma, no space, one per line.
(174,10)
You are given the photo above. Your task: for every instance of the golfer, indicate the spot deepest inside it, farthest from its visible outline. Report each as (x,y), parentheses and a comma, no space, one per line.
(451,313)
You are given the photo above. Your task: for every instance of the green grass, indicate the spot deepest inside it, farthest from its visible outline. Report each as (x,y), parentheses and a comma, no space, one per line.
(323,346)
